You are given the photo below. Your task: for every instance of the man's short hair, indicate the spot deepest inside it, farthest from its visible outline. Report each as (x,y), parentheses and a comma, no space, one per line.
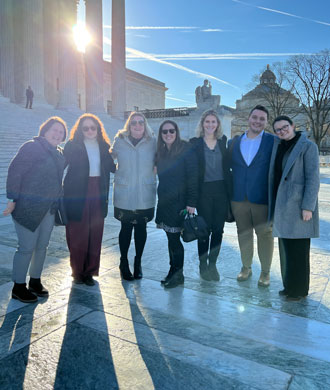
(261,108)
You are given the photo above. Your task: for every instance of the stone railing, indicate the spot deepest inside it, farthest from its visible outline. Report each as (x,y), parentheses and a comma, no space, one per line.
(164,113)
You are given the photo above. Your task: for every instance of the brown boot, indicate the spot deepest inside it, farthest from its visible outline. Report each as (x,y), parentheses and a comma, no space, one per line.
(264,280)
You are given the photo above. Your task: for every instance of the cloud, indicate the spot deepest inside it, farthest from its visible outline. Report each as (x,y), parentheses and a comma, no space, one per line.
(213,30)
(157,27)
(282,12)
(150,57)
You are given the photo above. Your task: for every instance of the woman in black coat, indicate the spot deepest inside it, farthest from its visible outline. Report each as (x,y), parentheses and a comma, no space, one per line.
(34,185)
(86,193)
(213,175)
(177,191)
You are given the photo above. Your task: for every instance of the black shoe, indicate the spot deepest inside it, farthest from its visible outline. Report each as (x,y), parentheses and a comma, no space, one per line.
(204,271)
(167,277)
(78,281)
(36,287)
(137,268)
(175,280)
(21,293)
(283,293)
(89,281)
(213,273)
(125,272)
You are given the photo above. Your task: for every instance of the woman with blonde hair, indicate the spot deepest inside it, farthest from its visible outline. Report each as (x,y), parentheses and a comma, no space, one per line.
(86,192)
(213,174)
(134,188)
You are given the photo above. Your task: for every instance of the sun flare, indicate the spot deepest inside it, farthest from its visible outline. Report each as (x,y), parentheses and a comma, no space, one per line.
(81,36)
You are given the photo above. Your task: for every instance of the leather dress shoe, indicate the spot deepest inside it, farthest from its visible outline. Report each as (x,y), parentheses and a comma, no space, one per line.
(264,279)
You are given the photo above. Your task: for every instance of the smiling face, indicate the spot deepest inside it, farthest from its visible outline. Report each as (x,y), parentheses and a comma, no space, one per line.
(55,134)
(168,134)
(257,122)
(284,130)
(89,129)
(210,125)
(137,127)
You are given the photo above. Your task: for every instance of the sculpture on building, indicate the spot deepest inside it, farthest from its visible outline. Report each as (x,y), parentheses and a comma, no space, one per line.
(204,97)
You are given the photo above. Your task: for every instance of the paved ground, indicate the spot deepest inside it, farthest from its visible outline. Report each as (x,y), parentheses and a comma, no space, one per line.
(136,335)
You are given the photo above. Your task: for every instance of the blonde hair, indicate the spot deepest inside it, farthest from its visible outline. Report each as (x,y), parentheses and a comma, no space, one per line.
(200,128)
(148,133)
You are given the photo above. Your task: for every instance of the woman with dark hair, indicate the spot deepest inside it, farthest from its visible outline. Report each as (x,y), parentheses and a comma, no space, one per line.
(213,175)
(34,185)
(177,191)
(293,206)
(134,188)
(86,193)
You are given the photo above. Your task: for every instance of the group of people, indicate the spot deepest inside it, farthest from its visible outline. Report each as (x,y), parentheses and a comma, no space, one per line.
(270,183)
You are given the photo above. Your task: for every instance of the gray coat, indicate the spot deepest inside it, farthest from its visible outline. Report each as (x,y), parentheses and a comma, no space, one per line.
(135,181)
(297,191)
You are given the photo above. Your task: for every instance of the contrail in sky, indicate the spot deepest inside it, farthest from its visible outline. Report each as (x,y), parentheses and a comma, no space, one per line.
(157,27)
(281,12)
(150,57)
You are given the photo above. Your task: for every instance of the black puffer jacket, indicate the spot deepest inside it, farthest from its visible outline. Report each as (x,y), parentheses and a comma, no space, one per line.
(178,186)
(76,179)
(34,181)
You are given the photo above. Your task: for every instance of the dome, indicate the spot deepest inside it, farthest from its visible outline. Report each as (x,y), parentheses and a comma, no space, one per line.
(267,77)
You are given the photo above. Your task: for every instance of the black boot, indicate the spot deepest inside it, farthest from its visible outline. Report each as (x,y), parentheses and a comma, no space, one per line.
(21,293)
(137,268)
(125,272)
(213,272)
(167,277)
(203,268)
(36,287)
(176,279)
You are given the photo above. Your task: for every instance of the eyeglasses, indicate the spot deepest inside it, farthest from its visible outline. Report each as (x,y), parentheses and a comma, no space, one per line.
(171,131)
(283,128)
(85,129)
(140,122)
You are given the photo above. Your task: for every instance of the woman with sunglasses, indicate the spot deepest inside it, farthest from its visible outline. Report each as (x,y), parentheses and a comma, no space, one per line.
(213,175)
(177,191)
(293,206)
(86,192)
(134,188)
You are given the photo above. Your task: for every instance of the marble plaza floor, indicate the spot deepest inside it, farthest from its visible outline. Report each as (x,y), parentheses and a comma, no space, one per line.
(136,335)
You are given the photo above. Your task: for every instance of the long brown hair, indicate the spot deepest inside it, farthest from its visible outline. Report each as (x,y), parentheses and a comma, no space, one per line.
(77,133)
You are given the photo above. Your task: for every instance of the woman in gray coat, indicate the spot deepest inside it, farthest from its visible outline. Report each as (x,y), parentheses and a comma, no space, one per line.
(294,185)
(134,196)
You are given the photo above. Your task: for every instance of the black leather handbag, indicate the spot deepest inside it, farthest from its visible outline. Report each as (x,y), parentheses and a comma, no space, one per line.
(61,218)
(194,228)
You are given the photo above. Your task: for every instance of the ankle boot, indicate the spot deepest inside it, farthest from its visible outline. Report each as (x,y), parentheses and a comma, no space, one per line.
(125,272)
(167,277)
(203,268)
(137,268)
(176,279)
(36,287)
(213,272)
(21,293)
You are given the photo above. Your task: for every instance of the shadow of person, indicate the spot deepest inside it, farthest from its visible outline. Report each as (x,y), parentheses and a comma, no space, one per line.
(15,338)
(85,359)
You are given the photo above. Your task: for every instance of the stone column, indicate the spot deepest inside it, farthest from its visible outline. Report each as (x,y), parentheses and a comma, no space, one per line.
(7,82)
(94,57)
(68,98)
(118,59)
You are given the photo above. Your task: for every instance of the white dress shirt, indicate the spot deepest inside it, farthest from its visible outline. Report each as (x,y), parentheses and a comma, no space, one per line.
(250,146)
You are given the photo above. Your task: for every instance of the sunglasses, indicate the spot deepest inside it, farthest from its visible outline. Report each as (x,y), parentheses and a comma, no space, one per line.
(140,122)
(85,129)
(171,131)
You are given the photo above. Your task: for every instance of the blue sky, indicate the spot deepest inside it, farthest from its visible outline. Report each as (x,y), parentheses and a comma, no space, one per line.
(181,42)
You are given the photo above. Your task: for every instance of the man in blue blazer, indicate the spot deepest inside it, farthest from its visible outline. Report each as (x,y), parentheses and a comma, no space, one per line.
(250,158)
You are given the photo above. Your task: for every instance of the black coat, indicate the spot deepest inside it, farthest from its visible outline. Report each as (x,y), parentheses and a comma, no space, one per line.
(198,148)
(76,179)
(177,186)
(34,181)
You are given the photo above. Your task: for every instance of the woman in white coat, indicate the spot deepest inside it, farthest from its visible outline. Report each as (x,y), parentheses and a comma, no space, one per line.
(134,199)
(294,184)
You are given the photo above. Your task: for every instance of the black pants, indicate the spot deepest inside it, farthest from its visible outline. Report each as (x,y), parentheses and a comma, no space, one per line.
(175,250)
(294,258)
(212,206)
(29,102)
(125,236)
